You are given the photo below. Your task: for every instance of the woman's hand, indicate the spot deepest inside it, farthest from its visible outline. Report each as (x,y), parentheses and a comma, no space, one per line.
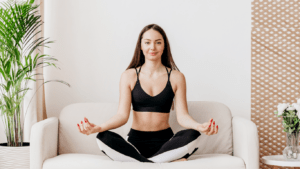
(88,128)
(207,129)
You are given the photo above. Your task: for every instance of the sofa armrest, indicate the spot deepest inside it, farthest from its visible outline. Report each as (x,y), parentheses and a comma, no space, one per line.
(43,142)
(245,141)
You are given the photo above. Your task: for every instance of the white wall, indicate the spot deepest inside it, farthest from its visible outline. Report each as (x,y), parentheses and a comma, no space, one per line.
(95,40)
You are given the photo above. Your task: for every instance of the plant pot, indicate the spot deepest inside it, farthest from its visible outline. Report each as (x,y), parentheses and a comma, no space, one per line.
(15,157)
(292,149)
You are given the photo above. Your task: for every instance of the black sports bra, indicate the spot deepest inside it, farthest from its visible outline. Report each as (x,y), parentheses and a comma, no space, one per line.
(141,101)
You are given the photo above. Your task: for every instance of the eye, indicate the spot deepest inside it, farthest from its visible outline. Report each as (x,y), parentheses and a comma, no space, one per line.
(146,42)
(159,42)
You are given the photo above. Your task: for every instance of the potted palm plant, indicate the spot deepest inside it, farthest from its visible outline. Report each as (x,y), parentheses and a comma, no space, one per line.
(19,60)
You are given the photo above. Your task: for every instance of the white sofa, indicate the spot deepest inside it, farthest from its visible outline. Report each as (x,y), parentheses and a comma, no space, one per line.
(55,143)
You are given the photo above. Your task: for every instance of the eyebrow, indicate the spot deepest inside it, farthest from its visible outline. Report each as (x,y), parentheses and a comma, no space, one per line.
(150,39)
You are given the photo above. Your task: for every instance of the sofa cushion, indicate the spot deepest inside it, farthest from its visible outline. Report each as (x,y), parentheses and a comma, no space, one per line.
(80,161)
(203,111)
(71,141)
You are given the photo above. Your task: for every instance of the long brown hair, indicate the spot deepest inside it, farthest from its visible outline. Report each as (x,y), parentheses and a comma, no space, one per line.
(166,58)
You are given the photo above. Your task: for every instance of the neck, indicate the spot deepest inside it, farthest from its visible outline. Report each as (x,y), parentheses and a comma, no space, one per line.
(151,68)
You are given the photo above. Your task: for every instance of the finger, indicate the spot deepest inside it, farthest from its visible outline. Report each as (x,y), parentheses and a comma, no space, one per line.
(210,124)
(88,128)
(208,128)
(78,126)
(212,128)
(217,129)
(210,121)
(87,125)
(81,131)
(88,122)
(82,126)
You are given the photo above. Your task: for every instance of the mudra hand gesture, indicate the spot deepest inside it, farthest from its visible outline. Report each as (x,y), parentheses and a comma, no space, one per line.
(87,127)
(207,129)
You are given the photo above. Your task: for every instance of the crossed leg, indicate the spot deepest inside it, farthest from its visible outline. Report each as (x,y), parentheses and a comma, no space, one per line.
(116,148)
(182,145)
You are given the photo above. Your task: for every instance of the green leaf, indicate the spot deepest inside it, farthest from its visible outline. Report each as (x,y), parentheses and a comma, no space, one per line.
(7,67)
(28,78)
(291,130)
(3,74)
(31,1)
(291,112)
(8,85)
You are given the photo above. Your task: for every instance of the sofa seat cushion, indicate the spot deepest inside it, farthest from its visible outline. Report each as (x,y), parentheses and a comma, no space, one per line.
(80,161)
(208,161)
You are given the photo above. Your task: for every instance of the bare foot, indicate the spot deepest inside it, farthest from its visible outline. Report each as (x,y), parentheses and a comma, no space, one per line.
(182,159)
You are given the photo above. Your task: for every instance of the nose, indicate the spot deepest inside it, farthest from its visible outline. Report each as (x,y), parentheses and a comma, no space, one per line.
(152,46)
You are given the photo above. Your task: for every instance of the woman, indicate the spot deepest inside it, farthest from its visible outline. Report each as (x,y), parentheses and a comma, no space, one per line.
(149,85)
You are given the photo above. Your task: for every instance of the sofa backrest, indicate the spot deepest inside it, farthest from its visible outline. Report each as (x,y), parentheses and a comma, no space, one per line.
(72,141)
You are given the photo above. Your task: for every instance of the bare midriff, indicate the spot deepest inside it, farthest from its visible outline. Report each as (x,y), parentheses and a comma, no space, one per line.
(150,121)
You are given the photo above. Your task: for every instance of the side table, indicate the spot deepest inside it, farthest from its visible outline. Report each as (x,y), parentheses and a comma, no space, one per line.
(279,161)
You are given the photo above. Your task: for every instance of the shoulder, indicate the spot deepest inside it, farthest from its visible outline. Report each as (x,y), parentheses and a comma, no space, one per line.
(177,76)
(177,80)
(129,72)
(128,75)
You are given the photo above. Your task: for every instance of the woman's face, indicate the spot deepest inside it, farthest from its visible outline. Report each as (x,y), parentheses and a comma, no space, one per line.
(152,44)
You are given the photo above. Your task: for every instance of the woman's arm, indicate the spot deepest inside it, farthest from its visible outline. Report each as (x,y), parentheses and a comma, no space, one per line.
(123,112)
(183,117)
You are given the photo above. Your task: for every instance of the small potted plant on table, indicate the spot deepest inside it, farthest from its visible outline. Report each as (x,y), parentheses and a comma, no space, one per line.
(291,116)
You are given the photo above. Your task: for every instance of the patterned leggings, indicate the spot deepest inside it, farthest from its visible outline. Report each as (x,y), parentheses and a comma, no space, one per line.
(149,146)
